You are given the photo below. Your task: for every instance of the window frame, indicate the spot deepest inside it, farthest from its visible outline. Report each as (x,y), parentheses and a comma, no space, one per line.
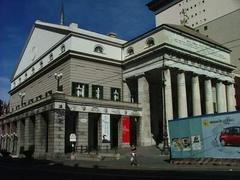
(130,51)
(94,88)
(98,47)
(112,93)
(86,89)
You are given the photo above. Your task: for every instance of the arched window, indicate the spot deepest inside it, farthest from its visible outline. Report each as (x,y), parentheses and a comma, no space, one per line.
(130,51)
(150,42)
(41,64)
(51,57)
(62,48)
(33,70)
(98,49)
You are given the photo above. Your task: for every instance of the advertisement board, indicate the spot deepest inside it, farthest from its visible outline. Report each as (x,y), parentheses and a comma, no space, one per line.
(222,136)
(105,128)
(214,136)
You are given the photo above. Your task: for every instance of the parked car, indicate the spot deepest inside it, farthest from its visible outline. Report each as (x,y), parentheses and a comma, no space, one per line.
(230,136)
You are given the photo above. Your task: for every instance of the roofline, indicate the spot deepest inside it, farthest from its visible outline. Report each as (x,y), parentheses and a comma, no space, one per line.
(65,38)
(168,27)
(158,6)
(21,54)
(66,56)
(64,28)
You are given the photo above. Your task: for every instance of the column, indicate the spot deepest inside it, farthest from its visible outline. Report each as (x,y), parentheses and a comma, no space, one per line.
(168,95)
(208,96)
(1,134)
(231,102)
(11,136)
(126,92)
(6,136)
(20,136)
(221,97)
(82,129)
(182,98)
(40,135)
(29,134)
(26,134)
(196,98)
(144,101)
(56,131)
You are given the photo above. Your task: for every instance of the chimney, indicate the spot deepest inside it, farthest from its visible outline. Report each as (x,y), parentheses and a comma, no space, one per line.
(112,34)
(73,25)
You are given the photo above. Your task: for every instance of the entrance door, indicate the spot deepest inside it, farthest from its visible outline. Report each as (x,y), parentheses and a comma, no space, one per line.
(133,131)
(114,130)
(93,131)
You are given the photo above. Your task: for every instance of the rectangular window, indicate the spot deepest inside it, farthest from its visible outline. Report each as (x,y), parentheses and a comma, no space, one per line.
(48,93)
(205,28)
(97,91)
(79,89)
(115,94)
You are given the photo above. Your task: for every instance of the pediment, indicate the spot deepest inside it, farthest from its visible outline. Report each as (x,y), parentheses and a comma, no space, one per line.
(39,41)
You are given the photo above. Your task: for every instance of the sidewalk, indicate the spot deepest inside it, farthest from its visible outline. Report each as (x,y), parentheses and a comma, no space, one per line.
(149,158)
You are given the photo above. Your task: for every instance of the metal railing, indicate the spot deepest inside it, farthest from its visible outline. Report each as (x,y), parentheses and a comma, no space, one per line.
(96,149)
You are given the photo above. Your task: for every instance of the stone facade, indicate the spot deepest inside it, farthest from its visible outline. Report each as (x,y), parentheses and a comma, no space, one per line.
(161,75)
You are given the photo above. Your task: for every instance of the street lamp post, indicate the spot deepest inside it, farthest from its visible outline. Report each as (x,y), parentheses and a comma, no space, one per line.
(22,95)
(58,77)
(165,133)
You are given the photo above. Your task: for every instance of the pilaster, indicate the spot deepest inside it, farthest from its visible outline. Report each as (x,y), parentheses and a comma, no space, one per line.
(56,131)
(82,129)
(144,101)
(126,92)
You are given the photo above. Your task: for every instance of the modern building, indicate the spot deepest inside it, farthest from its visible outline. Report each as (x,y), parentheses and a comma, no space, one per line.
(217,19)
(73,85)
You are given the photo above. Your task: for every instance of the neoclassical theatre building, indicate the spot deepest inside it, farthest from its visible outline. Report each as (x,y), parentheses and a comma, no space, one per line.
(92,89)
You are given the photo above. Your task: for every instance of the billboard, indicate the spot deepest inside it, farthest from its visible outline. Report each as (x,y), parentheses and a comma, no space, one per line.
(215,136)
(105,128)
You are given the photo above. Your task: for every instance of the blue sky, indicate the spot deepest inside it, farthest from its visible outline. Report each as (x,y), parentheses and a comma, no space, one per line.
(128,18)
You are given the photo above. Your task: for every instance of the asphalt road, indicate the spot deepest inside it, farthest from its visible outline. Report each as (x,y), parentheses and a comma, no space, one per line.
(44,170)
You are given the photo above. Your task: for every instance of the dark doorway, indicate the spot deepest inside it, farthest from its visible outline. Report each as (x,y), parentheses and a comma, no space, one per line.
(45,125)
(70,127)
(114,130)
(133,130)
(93,130)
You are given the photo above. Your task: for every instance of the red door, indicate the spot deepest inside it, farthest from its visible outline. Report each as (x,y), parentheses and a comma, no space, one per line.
(125,129)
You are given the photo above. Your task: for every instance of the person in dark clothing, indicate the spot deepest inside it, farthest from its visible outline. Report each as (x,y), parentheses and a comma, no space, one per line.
(133,158)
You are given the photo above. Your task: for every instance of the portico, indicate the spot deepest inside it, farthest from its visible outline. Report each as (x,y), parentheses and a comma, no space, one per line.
(189,90)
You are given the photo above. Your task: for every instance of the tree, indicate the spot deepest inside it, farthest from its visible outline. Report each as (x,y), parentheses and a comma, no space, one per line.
(4,107)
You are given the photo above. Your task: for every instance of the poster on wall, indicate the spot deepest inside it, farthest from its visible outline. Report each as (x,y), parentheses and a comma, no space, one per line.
(125,129)
(196,143)
(181,144)
(223,134)
(105,128)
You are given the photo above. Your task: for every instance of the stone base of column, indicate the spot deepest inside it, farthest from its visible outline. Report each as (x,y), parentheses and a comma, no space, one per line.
(82,129)
(56,132)
(147,142)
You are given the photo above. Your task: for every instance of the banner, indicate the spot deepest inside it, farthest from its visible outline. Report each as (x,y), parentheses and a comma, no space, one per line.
(105,128)
(125,129)
(215,136)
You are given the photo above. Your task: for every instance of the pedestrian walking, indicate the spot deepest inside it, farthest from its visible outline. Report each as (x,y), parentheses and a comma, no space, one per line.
(133,158)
